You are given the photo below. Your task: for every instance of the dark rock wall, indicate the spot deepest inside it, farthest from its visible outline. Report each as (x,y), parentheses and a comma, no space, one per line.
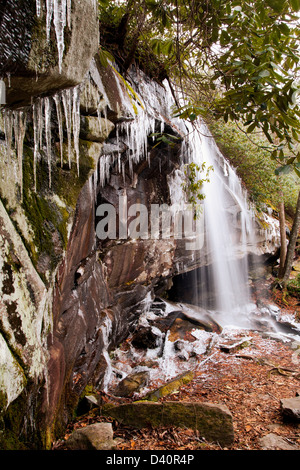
(29,63)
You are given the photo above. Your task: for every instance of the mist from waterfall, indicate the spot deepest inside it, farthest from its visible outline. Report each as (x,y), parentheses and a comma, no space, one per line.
(229,232)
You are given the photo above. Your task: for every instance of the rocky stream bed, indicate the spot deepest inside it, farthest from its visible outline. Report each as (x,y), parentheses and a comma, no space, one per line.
(251,375)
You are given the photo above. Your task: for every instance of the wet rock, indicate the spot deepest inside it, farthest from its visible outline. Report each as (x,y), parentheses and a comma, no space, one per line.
(233,346)
(97,436)
(213,421)
(95,129)
(165,323)
(87,403)
(181,324)
(182,328)
(274,442)
(291,408)
(32,62)
(144,338)
(132,383)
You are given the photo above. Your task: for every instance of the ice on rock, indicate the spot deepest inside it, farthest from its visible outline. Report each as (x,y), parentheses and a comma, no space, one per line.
(48,135)
(76,122)
(57,99)
(67,104)
(58,11)
(38,8)
(106,329)
(19,130)
(36,140)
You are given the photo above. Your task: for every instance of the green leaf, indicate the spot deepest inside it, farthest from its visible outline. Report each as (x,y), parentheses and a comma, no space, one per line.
(251,128)
(283,170)
(284,29)
(276,5)
(264,73)
(295,4)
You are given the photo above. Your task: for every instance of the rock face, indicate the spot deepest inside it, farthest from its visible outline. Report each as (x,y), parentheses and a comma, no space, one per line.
(31,62)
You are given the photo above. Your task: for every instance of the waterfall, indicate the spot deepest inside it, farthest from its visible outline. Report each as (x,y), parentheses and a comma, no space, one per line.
(229,229)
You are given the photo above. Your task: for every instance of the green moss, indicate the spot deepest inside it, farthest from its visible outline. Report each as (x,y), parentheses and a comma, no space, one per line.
(11,423)
(47,218)
(170,387)
(43,53)
(67,184)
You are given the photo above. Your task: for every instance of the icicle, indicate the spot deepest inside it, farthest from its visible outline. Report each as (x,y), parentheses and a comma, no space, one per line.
(118,145)
(60,12)
(67,103)
(123,173)
(48,134)
(106,329)
(38,8)
(69,5)
(57,100)
(96,180)
(76,122)
(35,112)
(49,9)
(60,19)
(8,127)
(20,129)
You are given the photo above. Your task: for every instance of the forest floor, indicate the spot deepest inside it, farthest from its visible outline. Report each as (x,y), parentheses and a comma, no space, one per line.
(250,383)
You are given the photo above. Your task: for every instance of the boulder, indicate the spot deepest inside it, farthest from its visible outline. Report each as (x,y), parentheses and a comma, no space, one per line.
(97,436)
(291,408)
(132,383)
(274,442)
(144,338)
(214,422)
(182,323)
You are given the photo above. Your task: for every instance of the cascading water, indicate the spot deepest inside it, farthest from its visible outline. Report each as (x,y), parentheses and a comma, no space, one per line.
(229,229)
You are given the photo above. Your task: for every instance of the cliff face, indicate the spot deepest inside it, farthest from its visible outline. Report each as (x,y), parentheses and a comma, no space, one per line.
(69,297)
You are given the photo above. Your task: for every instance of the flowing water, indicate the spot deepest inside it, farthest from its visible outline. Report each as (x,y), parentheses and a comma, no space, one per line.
(229,230)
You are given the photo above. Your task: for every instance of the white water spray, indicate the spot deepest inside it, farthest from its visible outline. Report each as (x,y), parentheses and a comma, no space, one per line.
(229,228)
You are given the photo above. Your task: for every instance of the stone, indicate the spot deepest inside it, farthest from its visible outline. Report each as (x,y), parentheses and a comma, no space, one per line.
(291,408)
(181,329)
(86,404)
(274,442)
(144,338)
(213,421)
(97,436)
(233,346)
(95,129)
(170,387)
(132,383)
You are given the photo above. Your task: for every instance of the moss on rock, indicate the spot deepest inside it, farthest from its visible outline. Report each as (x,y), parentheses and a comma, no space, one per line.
(214,422)
(170,387)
